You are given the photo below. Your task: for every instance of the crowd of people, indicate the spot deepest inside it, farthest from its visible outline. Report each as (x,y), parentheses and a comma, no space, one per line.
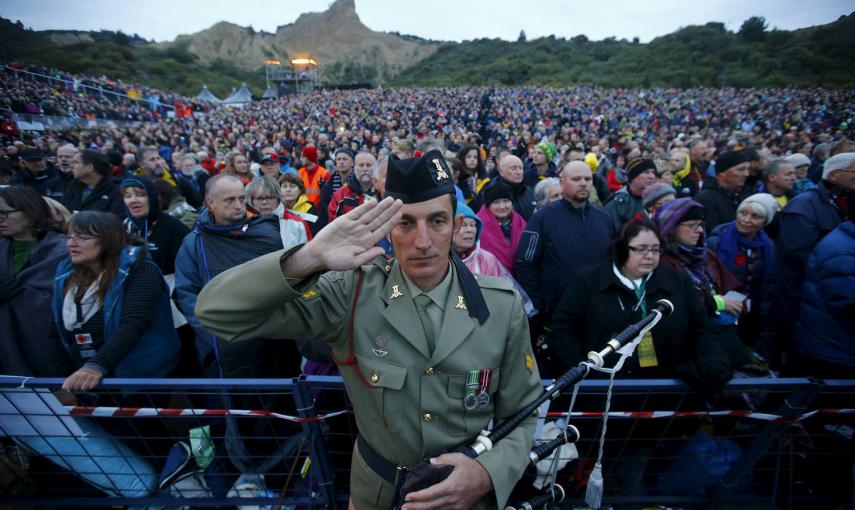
(593,203)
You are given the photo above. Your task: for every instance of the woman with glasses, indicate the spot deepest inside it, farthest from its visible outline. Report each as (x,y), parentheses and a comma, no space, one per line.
(31,245)
(602,300)
(264,197)
(681,222)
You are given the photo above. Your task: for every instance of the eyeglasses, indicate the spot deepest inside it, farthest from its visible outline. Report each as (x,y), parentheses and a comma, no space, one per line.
(265,198)
(5,214)
(643,250)
(80,238)
(694,227)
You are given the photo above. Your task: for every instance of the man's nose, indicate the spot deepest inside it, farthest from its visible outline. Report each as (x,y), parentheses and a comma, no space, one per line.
(422,239)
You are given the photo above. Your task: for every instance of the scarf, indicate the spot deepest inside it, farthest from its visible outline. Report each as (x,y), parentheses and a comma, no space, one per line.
(694,260)
(730,239)
(75,315)
(682,173)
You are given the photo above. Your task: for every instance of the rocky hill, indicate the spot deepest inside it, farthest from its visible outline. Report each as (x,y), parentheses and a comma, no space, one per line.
(336,38)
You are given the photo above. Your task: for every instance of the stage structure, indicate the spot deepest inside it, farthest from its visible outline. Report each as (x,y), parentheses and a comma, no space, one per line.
(292,76)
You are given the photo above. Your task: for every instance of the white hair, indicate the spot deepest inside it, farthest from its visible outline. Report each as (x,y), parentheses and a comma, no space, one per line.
(837,162)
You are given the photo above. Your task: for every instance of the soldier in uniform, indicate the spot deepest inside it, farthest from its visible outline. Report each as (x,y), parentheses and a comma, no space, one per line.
(428,353)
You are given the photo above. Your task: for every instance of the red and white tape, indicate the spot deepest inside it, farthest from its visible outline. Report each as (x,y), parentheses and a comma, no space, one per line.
(652,415)
(152,412)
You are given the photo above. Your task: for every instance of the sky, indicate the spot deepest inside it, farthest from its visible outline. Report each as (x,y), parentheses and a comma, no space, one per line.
(446,20)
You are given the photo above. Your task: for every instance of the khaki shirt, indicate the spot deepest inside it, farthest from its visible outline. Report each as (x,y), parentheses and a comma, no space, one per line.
(412,404)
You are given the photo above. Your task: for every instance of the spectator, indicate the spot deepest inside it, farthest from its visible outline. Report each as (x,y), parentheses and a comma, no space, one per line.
(193,173)
(473,175)
(238,166)
(64,159)
(60,214)
(681,166)
(546,191)
(294,198)
(681,224)
(358,188)
(313,175)
(224,237)
(654,196)
(758,158)
(480,261)
(155,168)
(93,188)
(723,194)
(112,306)
(31,245)
(801,163)
(502,227)
(779,178)
(541,165)
(265,196)
(602,300)
(625,203)
(144,218)
(747,252)
(344,163)
(35,172)
(824,342)
(175,205)
(561,238)
(511,173)
(804,222)
(270,166)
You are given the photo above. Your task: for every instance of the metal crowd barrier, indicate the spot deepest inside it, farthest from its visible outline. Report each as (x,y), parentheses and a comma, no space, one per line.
(286,443)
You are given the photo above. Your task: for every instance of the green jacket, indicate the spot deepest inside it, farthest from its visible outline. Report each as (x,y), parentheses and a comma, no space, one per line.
(411,404)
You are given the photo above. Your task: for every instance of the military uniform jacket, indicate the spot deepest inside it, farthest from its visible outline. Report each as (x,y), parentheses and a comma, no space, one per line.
(410,404)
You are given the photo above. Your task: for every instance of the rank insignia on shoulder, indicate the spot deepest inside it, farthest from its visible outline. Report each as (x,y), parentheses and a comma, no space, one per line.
(309,294)
(529,362)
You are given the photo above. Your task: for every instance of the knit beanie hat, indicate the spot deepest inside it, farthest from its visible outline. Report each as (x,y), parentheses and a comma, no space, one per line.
(654,192)
(638,165)
(728,160)
(311,153)
(496,190)
(767,203)
(548,148)
(344,150)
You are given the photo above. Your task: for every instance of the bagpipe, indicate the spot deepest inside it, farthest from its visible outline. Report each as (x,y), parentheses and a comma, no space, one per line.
(424,474)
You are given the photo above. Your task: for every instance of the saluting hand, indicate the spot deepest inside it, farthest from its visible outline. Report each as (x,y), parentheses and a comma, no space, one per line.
(348,242)
(461,490)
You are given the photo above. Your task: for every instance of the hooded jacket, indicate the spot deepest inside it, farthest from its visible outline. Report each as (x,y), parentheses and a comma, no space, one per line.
(162,233)
(211,249)
(481,261)
(346,198)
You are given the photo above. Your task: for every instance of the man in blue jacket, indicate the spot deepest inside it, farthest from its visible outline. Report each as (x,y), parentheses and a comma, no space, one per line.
(561,238)
(224,237)
(805,220)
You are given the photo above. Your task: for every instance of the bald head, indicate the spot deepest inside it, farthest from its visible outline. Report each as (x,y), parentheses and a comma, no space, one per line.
(511,169)
(576,182)
(65,156)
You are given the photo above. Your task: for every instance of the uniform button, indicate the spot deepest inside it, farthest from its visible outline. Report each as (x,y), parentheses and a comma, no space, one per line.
(427,417)
(375,378)
(429,371)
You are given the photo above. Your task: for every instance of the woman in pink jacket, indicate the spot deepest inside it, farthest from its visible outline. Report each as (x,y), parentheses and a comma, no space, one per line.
(502,227)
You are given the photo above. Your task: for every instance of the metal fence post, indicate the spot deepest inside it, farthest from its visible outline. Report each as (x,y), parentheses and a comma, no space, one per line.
(317,451)
(794,406)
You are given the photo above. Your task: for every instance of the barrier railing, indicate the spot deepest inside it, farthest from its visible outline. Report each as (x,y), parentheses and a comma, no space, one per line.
(286,443)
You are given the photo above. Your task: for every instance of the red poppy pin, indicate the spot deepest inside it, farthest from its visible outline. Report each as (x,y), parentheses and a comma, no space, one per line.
(740,260)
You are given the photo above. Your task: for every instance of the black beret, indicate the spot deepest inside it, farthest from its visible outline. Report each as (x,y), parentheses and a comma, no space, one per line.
(728,160)
(32,154)
(638,165)
(419,179)
(495,191)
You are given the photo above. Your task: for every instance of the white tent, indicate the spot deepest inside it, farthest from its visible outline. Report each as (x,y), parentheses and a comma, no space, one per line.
(270,93)
(240,97)
(207,96)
